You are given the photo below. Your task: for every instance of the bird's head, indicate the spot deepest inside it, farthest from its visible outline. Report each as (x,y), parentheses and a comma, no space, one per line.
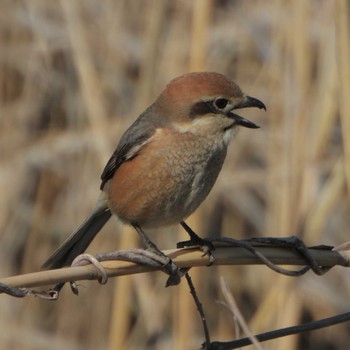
(205,103)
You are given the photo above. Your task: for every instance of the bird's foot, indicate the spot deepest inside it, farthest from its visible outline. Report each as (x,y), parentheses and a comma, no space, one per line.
(167,264)
(195,241)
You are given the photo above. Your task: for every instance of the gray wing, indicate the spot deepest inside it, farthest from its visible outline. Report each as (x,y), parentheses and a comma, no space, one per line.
(134,138)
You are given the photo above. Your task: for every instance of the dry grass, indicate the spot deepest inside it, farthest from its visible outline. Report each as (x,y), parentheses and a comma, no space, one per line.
(75,74)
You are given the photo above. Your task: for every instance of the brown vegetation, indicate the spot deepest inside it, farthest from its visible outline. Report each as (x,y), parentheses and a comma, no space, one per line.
(75,74)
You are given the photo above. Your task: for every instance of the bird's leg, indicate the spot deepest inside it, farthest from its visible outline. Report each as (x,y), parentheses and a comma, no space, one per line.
(148,243)
(194,240)
(205,245)
(169,267)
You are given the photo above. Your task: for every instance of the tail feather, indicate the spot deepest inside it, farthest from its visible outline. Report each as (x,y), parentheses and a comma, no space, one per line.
(79,240)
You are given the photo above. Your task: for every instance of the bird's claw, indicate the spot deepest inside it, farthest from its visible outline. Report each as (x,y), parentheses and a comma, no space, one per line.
(205,246)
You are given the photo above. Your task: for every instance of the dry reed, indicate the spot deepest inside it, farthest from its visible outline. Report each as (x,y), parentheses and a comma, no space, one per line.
(75,74)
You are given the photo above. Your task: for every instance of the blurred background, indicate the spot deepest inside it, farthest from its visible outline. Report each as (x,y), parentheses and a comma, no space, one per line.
(75,74)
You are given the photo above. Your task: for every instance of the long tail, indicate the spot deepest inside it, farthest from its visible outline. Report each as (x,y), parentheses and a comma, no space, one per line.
(79,240)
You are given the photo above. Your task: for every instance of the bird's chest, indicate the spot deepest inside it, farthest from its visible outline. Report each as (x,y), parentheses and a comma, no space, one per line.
(166,181)
(192,169)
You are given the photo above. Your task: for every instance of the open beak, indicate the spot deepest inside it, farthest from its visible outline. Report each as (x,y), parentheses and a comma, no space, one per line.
(246,103)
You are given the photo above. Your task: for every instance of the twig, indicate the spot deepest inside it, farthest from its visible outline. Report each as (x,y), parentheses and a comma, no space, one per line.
(237,314)
(13,291)
(199,309)
(183,258)
(268,251)
(310,326)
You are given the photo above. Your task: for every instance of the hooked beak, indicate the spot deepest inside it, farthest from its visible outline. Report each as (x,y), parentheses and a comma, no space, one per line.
(246,103)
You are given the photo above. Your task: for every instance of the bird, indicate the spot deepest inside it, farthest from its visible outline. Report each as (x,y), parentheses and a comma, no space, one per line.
(167,161)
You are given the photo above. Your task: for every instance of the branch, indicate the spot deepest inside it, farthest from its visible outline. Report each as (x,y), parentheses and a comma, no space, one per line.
(183,258)
(282,332)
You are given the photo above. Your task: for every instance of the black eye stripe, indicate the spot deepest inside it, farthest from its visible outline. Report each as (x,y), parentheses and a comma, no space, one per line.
(208,107)
(202,108)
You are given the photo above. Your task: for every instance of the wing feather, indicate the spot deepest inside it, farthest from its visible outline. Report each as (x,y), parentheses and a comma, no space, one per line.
(134,138)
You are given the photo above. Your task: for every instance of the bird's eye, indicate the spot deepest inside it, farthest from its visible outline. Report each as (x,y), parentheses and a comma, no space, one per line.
(221,103)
